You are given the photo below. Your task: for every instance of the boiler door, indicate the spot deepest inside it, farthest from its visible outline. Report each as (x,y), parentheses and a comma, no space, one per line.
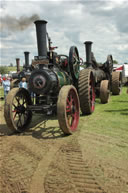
(42,81)
(39,82)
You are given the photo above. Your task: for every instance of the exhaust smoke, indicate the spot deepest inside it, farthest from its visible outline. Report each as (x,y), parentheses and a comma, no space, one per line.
(17,24)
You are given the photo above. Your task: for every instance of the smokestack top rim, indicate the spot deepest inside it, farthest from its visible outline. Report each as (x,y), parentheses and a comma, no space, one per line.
(17,58)
(26,52)
(40,22)
(88,42)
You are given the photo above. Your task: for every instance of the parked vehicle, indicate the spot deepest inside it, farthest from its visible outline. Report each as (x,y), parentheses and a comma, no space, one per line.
(101,74)
(123,71)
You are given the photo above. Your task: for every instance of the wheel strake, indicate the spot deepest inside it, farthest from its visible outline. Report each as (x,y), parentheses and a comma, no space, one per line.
(86,91)
(116,83)
(92,94)
(104,91)
(14,83)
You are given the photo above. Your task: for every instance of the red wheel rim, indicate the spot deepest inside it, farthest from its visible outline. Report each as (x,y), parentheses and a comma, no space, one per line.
(72,110)
(92,95)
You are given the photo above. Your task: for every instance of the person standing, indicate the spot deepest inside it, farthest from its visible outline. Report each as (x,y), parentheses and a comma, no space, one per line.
(6,86)
(23,83)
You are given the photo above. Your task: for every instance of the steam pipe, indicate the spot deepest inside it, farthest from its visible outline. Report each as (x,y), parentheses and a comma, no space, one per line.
(41,37)
(26,55)
(18,64)
(88,45)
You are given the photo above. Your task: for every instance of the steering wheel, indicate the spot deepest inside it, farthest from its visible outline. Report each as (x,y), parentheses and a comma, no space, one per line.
(63,60)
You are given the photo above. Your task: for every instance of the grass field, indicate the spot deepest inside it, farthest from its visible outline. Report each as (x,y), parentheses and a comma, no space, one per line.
(1,95)
(13,68)
(108,117)
(1,92)
(110,121)
(104,140)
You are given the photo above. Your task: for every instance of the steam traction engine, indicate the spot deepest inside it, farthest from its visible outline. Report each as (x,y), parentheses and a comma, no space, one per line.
(52,81)
(102,74)
(19,74)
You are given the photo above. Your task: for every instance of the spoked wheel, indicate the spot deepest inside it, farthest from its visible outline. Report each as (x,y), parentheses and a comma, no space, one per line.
(14,83)
(86,91)
(116,83)
(68,109)
(16,114)
(104,91)
(74,62)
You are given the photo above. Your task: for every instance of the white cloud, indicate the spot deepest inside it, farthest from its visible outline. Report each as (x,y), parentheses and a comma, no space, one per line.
(69,23)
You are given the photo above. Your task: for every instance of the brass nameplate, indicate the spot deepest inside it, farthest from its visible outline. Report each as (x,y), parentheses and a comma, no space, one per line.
(35,62)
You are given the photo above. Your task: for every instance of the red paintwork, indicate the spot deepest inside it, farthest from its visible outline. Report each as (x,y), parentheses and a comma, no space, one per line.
(72,110)
(119,68)
(92,95)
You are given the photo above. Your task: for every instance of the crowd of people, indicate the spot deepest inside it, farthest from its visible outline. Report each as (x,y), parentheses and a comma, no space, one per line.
(6,83)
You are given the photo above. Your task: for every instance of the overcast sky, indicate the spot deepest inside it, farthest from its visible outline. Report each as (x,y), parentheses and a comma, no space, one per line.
(105,23)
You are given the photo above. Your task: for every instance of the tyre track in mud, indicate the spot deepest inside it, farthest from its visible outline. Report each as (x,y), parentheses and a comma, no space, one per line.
(19,163)
(76,174)
(16,174)
(21,155)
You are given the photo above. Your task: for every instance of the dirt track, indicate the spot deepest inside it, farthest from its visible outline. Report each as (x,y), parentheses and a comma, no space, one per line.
(43,160)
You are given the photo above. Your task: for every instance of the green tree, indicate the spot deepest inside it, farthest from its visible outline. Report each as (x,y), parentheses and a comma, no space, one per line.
(115,62)
(11,65)
(3,70)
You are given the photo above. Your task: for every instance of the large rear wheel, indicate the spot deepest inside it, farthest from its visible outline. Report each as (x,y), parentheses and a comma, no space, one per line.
(104,91)
(116,83)
(68,109)
(16,114)
(86,91)
(14,83)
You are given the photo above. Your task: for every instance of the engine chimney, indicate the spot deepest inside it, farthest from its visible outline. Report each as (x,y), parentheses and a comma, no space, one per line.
(26,55)
(41,37)
(88,45)
(18,64)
